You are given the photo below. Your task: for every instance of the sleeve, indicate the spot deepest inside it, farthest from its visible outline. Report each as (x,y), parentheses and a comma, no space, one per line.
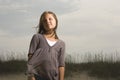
(33,44)
(61,57)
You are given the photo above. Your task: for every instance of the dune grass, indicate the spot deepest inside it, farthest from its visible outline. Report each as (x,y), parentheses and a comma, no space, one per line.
(95,69)
(12,66)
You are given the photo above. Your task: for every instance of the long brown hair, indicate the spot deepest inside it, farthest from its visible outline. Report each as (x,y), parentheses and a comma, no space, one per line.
(41,28)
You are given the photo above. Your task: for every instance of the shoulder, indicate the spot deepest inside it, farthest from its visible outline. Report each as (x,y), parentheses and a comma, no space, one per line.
(37,35)
(62,43)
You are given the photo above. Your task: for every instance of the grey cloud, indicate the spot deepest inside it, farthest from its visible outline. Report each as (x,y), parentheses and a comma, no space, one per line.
(40,5)
(15,14)
(92,23)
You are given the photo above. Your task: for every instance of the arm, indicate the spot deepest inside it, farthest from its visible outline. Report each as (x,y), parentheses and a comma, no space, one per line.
(61,73)
(62,62)
(33,46)
(29,56)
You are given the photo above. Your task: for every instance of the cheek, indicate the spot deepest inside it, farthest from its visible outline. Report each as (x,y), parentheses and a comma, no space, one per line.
(54,23)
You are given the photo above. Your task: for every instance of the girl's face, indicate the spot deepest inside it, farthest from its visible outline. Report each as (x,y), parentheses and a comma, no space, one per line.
(49,22)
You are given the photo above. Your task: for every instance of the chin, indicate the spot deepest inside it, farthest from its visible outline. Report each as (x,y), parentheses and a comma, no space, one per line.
(51,27)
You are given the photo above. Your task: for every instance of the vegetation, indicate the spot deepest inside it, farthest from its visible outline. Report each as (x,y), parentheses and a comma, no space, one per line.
(99,65)
(95,69)
(12,66)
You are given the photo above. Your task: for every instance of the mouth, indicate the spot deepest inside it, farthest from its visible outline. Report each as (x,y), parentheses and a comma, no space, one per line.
(49,24)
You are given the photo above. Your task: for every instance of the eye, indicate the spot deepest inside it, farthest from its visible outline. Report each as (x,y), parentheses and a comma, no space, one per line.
(50,18)
(44,20)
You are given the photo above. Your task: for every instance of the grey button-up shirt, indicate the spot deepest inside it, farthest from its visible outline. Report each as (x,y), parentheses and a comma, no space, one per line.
(46,59)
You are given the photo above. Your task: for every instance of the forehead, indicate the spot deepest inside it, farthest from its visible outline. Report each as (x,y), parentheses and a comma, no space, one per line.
(48,15)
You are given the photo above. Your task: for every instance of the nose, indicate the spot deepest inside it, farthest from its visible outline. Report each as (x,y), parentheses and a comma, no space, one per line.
(48,21)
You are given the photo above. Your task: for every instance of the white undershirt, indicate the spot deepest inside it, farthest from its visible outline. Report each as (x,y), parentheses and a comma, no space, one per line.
(51,43)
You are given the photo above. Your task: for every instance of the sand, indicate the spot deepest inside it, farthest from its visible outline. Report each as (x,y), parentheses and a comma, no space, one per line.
(74,76)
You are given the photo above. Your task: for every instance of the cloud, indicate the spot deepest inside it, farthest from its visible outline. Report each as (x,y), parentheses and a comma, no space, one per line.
(94,26)
(19,16)
(92,19)
(9,6)
(20,43)
(83,24)
(59,6)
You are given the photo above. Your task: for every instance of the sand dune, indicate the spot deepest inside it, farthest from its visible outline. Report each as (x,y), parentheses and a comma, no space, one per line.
(74,76)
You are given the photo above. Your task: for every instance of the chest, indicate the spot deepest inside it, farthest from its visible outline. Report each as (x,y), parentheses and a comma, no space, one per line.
(53,47)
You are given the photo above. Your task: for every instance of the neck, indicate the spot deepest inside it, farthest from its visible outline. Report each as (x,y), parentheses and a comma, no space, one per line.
(50,31)
(50,34)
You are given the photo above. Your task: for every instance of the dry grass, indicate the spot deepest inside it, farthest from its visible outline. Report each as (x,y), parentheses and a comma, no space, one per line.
(12,66)
(87,66)
(102,70)
(19,76)
(15,69)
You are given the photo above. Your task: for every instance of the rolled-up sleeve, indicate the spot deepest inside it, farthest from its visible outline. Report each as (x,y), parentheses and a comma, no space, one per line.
(61,58)
(33,44)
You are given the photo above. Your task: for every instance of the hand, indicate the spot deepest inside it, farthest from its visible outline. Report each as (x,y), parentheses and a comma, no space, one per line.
(29,56)
(31,78)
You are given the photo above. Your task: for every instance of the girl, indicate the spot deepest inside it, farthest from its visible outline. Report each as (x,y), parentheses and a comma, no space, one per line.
(46,51)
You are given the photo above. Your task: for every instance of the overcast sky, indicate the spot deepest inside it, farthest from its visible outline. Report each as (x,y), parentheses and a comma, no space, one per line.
(84,25)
